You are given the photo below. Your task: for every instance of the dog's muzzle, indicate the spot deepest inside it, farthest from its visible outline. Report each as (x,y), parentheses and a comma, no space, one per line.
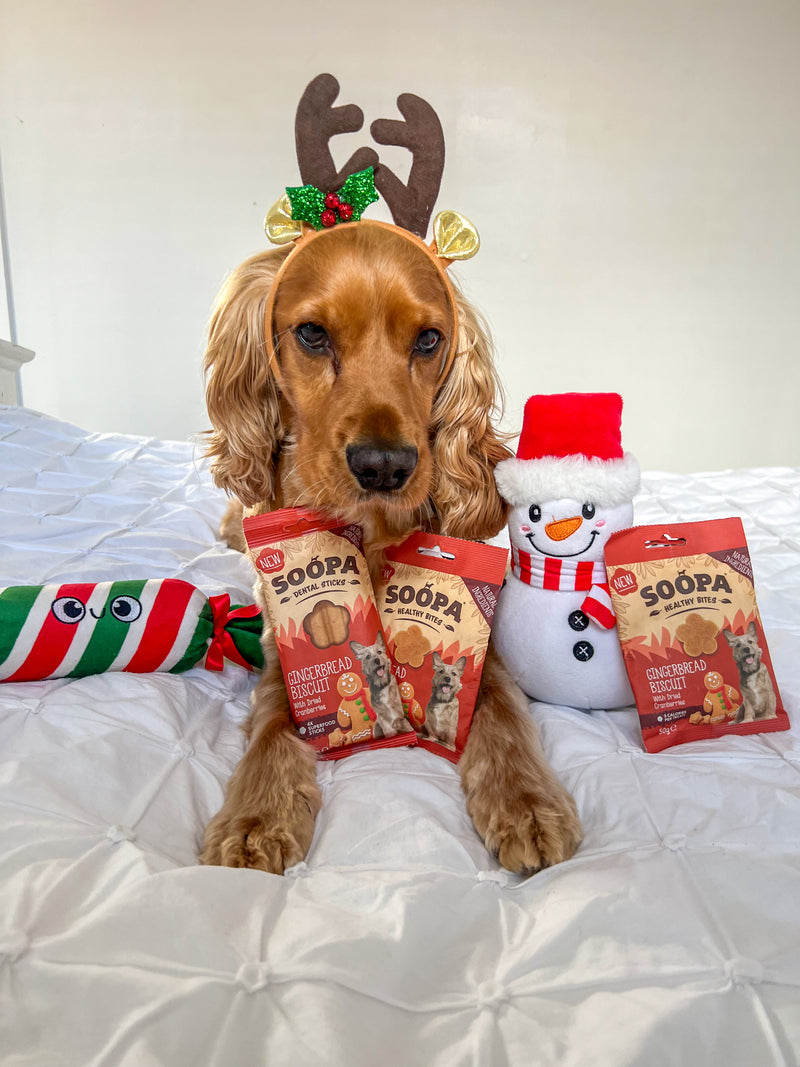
(381,469)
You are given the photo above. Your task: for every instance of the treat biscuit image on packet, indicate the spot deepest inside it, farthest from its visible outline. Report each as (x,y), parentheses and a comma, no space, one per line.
(437,597)
(314,580)
(691,634)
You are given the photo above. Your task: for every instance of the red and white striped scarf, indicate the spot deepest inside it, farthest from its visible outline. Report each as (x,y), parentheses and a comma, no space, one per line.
(567,575)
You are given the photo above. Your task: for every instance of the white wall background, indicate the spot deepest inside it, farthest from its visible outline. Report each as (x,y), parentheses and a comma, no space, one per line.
(633,168)
(5,318)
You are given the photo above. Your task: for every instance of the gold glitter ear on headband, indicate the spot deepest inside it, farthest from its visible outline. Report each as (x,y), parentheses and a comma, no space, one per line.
(280,227)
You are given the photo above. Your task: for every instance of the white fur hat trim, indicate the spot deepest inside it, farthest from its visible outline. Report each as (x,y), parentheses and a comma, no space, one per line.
(588,479)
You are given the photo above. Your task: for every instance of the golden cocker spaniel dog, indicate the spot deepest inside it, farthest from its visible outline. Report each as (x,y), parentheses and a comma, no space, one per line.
(354,416)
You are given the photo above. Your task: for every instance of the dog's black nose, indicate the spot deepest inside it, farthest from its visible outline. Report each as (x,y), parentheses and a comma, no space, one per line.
(381,468)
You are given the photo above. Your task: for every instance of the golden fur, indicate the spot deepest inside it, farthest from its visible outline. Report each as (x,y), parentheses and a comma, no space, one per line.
(284,443)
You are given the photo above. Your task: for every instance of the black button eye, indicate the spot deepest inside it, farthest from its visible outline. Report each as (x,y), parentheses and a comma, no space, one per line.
(427,342)
(588,511)
(312,337)
(535,513)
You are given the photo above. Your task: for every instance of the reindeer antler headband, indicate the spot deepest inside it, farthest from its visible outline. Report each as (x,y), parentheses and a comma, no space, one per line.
(331,198)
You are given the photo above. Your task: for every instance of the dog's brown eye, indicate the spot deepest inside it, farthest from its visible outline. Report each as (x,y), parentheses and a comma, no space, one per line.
(312,337)
(427,342)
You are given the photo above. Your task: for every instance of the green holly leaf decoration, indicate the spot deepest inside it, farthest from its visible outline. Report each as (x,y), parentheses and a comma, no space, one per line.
(308,203)
(359,191)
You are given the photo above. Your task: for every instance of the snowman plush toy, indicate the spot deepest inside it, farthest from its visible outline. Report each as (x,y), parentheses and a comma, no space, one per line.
(570,487)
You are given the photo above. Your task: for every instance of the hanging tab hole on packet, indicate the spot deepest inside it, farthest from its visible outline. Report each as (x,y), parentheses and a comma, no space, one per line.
(665,541)
(435,550)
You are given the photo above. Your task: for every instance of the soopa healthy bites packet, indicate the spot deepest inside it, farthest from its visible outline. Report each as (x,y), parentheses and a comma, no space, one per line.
(314,579)
(437,597)
(691,635)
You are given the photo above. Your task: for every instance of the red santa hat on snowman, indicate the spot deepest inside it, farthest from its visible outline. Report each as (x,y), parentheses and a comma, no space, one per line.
(570,448)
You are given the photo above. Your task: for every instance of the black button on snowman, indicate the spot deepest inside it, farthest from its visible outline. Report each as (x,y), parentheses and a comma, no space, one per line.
(581,650)
(570,487)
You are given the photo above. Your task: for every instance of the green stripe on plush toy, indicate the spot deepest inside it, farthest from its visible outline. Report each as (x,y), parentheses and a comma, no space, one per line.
(78,629)
(109,632)
(15,605)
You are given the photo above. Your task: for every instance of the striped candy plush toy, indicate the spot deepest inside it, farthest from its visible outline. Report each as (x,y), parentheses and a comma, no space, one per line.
(73,630)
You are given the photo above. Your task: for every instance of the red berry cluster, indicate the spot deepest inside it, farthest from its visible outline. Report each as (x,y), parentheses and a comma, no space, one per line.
(336,210)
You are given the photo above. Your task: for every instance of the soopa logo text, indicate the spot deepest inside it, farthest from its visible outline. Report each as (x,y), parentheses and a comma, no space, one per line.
(313,571)
(684,585)
(425,597)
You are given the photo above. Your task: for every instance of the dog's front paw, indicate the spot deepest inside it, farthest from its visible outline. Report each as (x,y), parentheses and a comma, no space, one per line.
(528,832)
(255,841)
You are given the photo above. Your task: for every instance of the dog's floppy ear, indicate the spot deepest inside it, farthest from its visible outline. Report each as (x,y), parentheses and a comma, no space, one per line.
(466,446)
(242,397)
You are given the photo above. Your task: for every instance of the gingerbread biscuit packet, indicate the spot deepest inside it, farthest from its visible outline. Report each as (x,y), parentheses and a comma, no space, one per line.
(437,597)
(314,581)
(691,635)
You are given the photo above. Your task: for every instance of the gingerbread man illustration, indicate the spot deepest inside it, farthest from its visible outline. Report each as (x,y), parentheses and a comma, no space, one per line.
(721,700)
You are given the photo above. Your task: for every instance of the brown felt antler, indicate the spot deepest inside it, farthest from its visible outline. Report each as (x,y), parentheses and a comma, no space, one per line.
(315,123)
(421,133)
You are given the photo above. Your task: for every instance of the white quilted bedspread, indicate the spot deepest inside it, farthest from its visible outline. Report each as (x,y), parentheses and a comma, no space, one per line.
(672,937)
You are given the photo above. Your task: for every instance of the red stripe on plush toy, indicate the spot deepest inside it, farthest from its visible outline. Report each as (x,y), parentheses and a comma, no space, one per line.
(53,640)
(162,627)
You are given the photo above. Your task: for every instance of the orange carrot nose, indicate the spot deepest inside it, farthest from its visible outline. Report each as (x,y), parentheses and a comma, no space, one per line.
(561,529)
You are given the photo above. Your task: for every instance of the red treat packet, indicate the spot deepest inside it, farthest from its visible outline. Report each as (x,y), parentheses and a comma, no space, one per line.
(690,631)
(437,597)
(316,585)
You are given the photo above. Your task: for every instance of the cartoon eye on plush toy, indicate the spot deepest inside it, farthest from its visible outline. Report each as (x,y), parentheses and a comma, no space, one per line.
(77,629)
(570,487)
